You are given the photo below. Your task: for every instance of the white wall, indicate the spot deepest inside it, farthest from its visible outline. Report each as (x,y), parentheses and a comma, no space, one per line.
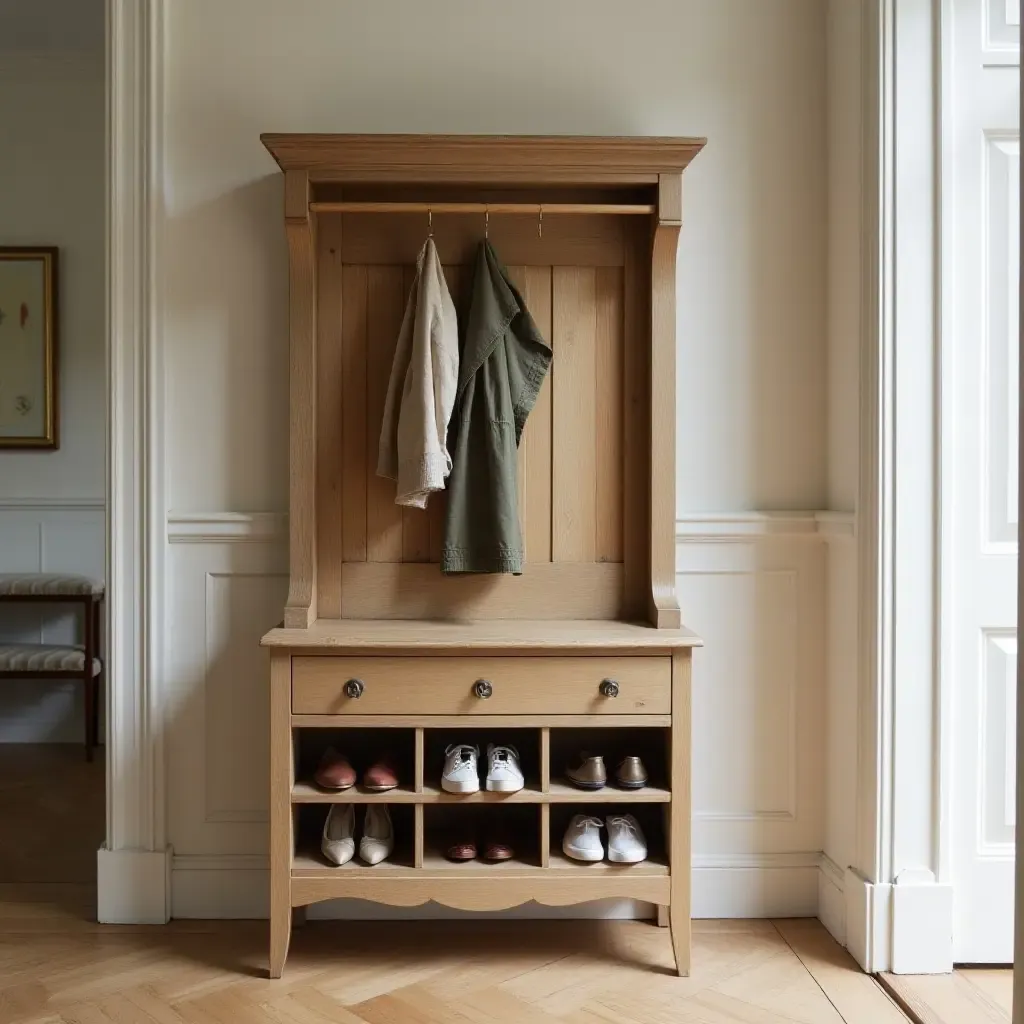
(51,503)
(753,429)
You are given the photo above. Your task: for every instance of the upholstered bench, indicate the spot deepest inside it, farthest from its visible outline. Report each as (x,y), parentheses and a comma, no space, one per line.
(59,661)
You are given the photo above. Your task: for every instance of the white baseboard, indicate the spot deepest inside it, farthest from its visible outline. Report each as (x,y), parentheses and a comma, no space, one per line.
(766,885)
(922,925)
(905,927)
(133,886)
(832,899)
(868,919)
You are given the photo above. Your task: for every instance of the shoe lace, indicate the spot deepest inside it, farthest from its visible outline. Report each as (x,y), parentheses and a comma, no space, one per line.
(585,824)
(501,757)
(463,754)
(624,822)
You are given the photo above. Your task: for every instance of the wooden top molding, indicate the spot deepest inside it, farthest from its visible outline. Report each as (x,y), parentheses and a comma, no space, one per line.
(501,635)
(532,159)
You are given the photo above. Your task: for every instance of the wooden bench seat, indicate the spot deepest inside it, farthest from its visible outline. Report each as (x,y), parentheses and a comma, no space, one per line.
(45,659)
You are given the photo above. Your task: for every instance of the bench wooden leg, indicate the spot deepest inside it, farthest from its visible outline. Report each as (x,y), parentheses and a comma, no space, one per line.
(90,715)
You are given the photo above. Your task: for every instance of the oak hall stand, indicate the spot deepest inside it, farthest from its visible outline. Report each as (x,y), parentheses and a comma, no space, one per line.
(378,649)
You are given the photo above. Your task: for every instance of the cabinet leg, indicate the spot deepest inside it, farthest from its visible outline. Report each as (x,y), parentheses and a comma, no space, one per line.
(662,915)
(679,922)
(280,936)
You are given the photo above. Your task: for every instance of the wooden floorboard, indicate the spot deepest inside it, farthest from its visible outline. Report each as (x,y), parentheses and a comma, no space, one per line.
(968,996)
(58,967)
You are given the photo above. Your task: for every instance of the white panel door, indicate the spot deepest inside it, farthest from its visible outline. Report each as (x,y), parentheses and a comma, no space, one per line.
(980,407)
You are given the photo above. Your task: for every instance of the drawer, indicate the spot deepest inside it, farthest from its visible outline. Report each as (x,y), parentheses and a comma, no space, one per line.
(448,686)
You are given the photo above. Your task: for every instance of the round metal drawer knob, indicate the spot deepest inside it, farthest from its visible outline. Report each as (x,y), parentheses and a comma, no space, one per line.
(354,688)
(609,688)
(483,689)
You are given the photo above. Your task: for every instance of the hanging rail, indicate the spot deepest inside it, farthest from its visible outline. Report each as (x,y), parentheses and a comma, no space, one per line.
(537,209)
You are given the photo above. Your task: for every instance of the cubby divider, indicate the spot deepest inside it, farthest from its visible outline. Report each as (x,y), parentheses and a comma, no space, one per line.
(418,835)
(418,759)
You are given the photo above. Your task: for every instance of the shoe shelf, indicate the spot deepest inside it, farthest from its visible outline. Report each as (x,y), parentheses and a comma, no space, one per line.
(427,819)
(544,753)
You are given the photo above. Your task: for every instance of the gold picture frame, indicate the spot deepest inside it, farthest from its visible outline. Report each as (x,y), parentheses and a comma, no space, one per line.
(28,348)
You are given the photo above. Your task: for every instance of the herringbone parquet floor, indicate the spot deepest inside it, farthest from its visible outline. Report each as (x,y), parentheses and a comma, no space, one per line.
(58,968)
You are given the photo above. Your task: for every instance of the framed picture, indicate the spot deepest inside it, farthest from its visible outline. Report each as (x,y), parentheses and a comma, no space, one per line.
(28,347)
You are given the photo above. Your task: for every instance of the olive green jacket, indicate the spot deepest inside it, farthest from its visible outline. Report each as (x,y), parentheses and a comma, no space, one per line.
(502,365)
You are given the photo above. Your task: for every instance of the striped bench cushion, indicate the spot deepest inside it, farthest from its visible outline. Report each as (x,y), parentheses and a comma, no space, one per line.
(43,658)
(47,584)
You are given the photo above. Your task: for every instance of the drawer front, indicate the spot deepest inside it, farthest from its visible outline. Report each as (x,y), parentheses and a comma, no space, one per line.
(449,686)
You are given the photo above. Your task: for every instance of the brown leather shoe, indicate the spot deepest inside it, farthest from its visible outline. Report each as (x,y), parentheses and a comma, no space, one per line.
(587,771)
(631,773)
(334,771)
(462,848)
(381,776)
(498,846)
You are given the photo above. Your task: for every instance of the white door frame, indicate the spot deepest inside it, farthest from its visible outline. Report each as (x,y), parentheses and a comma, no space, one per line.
(1018,896)
(898,898)
(898,890)
(133,865)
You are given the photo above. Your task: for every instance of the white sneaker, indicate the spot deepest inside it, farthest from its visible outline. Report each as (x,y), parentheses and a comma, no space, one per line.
(503,772)
(582,840)
(338,843)
(626,843)
(460,771)
(378,837)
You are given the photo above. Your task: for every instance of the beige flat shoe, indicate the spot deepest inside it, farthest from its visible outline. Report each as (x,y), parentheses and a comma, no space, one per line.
(631,774)
(587,771)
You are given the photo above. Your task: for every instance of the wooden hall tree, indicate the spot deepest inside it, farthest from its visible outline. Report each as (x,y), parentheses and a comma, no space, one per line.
(378,648)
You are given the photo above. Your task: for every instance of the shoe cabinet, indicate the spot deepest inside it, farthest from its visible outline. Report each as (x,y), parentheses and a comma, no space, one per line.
(378,652)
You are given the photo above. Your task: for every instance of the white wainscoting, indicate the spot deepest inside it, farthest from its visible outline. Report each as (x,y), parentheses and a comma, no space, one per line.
(752,584)
(46,535)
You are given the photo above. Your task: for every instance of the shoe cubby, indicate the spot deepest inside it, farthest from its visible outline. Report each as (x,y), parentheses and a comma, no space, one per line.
(309,827)
(519,826)
(362,747)
(652,819)
(527,743)
(651,744)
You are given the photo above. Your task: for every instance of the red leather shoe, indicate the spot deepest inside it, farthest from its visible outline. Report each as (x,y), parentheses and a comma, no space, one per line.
(381,776)
(334,771)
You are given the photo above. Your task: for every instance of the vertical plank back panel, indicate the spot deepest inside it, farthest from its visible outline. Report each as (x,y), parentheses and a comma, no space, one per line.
(576,502)
(330,389)
(353,412)
(385,306)
(608,453)
(574,423)
(535,448)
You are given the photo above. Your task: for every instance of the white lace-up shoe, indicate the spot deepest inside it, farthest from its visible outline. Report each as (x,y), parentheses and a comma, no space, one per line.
(503,772)
(582,840)
(378,836)
(338,843)
(626,843)
(460,769)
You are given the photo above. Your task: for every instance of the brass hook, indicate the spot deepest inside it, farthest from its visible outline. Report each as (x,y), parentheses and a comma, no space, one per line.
(487,222)
(540,221)
(430,223)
